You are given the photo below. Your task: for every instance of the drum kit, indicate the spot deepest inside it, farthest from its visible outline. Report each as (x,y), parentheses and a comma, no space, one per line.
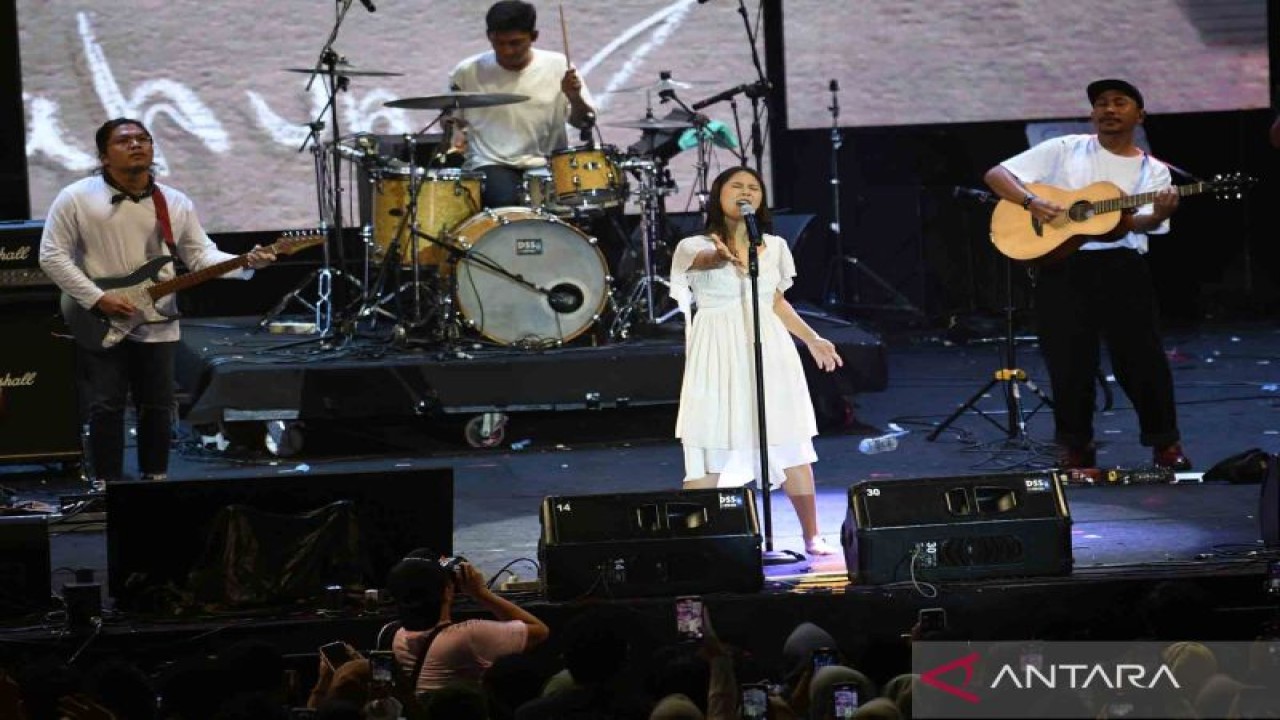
(526,276)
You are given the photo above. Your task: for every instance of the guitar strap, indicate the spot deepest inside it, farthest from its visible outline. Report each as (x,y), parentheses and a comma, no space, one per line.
(162,218)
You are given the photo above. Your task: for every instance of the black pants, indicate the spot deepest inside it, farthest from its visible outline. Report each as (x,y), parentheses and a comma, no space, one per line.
(503,186)
(1104,295)
(107,379)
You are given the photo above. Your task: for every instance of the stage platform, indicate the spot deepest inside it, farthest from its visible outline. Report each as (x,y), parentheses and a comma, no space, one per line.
(234,371)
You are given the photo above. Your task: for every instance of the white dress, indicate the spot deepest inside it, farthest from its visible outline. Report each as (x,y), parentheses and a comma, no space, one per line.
(717,422)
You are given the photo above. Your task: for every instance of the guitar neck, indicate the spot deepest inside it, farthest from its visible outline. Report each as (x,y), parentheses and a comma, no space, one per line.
(191,279)
(1132,201)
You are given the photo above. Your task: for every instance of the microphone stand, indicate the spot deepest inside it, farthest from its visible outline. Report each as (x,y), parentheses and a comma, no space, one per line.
(762,85)
(770,556)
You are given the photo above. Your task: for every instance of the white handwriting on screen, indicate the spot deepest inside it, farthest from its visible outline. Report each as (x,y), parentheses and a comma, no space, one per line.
(181,106)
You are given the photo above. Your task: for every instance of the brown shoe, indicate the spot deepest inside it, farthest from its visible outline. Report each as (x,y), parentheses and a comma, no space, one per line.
(1171,458)
(1077,457)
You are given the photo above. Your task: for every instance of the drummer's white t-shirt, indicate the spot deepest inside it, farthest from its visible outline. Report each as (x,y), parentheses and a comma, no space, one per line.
(521,134)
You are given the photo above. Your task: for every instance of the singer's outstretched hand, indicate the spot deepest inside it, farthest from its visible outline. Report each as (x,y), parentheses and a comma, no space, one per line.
(727,255)
(824,353)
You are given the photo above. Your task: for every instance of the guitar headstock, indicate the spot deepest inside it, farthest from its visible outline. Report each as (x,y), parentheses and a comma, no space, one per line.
(1231,186)
(295,240)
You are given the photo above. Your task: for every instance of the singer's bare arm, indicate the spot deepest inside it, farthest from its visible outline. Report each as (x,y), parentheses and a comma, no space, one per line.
(823,350)
(716,257)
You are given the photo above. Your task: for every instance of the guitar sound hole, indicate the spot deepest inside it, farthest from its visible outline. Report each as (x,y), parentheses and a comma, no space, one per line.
(1080,211)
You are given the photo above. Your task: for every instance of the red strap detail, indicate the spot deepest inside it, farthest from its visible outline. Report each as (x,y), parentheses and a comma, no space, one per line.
(162,217)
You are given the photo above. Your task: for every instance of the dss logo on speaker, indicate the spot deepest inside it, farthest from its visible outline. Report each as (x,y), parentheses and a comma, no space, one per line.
(1038,484)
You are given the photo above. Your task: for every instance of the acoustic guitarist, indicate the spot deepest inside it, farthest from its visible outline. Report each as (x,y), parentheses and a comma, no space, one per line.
(1104,291)
(111,223)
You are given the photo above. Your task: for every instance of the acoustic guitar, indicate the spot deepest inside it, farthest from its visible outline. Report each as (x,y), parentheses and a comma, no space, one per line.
(1090,211)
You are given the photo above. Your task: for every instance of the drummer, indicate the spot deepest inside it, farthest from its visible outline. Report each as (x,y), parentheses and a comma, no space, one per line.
(505,140)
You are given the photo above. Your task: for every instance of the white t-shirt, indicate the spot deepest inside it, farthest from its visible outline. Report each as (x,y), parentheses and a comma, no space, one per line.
(86,236)
(521,134)
(1071,162)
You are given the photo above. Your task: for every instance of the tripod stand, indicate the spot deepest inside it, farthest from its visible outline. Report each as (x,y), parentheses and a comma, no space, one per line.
(836,294)
(1011,377)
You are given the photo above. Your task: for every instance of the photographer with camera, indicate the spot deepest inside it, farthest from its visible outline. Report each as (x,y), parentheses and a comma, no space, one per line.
(430,648)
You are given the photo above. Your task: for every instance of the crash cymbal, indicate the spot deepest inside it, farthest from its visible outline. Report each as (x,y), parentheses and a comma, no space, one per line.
(653,124)
(457,101)
(661,85)
(348,71)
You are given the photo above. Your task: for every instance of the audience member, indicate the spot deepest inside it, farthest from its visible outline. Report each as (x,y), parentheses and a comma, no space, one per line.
(433,650)
(595,654)
(510,682)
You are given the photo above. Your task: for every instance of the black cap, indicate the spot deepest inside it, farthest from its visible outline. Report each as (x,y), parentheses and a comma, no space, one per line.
(1097,87)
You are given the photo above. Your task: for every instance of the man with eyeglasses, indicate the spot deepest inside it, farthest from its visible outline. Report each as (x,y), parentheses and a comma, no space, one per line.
(108,225)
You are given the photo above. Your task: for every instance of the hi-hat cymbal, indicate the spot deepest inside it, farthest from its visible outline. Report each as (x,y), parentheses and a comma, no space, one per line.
(348,71)
(653,124)
(456,101)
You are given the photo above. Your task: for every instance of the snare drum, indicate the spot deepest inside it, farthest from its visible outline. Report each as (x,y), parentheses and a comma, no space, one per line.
(587,178)
(540,193)
(446,197)
(546,253)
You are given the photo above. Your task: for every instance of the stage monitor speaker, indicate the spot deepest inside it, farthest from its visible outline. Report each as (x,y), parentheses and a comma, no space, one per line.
(1269,503)
(957,528)
(158,531)
(25,575)
(38,416)
(665,543)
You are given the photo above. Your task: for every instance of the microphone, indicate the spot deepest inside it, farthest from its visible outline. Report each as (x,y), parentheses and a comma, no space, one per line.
(755,89)
(749,217)
(368,5)
(974,194)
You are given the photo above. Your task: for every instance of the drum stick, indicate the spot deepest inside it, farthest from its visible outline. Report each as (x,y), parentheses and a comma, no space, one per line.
(564,36)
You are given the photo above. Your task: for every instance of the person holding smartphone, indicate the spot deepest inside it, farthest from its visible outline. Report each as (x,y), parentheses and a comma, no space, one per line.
(433,650)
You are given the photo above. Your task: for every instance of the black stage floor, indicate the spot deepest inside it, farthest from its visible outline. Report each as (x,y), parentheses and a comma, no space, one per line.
(1124,539)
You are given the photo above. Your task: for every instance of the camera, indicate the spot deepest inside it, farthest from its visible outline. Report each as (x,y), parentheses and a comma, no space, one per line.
(453,566)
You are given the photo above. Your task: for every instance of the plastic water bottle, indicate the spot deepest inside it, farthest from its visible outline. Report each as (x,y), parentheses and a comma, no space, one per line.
(883,443)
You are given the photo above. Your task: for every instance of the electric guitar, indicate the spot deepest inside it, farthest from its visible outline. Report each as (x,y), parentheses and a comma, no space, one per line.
(1090,211)
(96,331)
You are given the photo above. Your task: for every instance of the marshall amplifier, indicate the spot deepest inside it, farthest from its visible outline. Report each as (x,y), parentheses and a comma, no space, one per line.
(38,412)
(668,543)
(957,528)
(20,255)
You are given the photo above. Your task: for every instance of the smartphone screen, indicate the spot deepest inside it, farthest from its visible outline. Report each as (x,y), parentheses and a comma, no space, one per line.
(844,700)
(932,620)
(823,657)
(755,701)
(335,654)
(381,665)
(689,618)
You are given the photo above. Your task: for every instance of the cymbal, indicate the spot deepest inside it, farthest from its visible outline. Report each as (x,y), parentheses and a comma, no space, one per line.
(661,85)
(456,101)
(653,124)
(348,71)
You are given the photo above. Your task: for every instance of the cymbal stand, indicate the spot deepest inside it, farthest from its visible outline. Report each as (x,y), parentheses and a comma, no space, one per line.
(329,208)
(327,64)
(651,223)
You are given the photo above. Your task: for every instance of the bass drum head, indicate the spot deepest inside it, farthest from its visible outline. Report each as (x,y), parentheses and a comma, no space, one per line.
(544,252)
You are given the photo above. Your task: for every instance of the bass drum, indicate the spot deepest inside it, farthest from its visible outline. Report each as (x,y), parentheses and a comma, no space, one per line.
(567,272)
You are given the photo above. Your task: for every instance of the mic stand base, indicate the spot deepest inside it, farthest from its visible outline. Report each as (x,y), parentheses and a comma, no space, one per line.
(781,557)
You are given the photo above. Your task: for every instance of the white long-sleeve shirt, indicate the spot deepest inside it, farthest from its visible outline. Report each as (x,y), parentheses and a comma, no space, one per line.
(86,236)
